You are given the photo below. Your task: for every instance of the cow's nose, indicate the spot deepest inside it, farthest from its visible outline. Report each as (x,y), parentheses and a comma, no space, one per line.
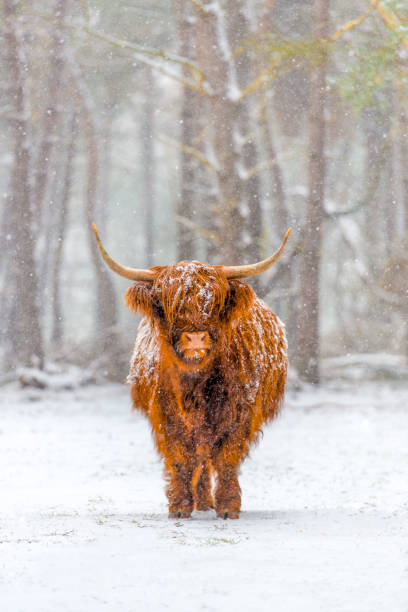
(195,340)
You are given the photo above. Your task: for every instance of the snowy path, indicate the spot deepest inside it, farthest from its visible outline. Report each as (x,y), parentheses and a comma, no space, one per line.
(83,524)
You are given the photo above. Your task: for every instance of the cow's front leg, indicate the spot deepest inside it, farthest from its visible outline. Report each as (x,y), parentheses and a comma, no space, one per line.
(227,490)
(179,490)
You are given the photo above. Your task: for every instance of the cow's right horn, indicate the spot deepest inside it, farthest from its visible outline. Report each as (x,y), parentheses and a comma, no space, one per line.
(253,269)
(130,273)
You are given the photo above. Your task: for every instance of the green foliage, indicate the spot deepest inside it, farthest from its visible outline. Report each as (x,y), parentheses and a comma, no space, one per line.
(279,51)
(361,67)
(369,73)
(399,8)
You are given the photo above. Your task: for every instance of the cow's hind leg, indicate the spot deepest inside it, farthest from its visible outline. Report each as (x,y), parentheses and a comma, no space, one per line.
(179,490)
(202,491)
(227,490)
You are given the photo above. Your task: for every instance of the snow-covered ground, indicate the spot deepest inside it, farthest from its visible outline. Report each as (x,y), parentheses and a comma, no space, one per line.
(84,527)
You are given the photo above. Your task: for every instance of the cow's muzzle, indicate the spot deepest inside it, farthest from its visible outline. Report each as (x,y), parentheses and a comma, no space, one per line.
(194,346)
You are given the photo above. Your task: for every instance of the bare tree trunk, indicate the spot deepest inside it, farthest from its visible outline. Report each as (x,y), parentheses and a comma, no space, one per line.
(22,324)
(190,121)
(57,310)
(49,159)
(392,194)
(403,172)
(148,161)
(281,217)
(106,315)
(223,146)
(106,141)
(308,348)
(251,202)
(50,117)
(106,311)
(49,162)
(374,128)
(278,189)
(403,154)
(240,29)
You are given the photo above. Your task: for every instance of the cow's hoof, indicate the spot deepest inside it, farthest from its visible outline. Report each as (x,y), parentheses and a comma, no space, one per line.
(183,515)
(226,515)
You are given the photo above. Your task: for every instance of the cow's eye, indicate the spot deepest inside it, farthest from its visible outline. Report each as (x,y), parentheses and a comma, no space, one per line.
(158,309)
(214,335)
(229,304)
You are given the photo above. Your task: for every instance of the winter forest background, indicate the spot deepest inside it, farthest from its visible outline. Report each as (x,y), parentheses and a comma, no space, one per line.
(196,129)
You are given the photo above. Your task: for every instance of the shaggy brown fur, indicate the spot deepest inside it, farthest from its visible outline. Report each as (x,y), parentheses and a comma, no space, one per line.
(206,413)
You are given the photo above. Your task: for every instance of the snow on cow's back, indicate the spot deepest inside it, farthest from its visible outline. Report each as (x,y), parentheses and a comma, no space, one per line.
(266,334)
(261,332)
(144,361)
(276,332)
(259,351)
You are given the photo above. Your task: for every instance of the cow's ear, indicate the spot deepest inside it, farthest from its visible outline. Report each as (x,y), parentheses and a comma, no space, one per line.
(138,298)
(239,298)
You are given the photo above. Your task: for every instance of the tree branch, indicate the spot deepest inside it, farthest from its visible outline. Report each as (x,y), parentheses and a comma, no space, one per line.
(196,72)
(200,6)
(390,21)
(266,165)
(85,10)
(333,215)
(212,237)
(350,25)
(270,73)
(378,291)
(190,151)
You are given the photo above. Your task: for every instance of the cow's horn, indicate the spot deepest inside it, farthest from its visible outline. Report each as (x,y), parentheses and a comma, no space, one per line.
(256,268)
(130,273)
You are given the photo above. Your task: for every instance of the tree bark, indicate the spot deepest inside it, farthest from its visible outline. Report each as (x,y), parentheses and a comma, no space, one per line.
(57,309)
(375,162)
(223,145)
(308,348)
(148,162)
(239,27)
(403,168)
(106,315)
(105,154)
(403,154)
(50,117)
(106,310)
(21,319)
(190,121)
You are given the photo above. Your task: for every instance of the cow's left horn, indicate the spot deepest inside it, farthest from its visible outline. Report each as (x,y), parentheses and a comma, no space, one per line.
(256,268)
(130,273)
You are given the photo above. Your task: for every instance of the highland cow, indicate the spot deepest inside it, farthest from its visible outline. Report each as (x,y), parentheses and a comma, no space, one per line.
(208,370)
